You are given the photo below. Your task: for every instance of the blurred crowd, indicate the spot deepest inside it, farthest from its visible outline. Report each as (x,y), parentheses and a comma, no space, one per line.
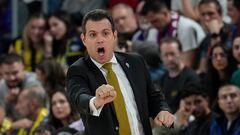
(191,47)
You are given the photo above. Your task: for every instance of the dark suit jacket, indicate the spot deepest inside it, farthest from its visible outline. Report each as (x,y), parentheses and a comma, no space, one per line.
(84,77)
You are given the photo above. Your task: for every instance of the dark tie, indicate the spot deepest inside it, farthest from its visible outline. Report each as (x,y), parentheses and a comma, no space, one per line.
(119,104)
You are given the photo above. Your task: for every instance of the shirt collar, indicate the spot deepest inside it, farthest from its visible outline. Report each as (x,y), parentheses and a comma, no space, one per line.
(99,65)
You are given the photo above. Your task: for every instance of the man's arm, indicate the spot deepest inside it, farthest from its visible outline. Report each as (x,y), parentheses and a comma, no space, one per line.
(78,90)
(80,95)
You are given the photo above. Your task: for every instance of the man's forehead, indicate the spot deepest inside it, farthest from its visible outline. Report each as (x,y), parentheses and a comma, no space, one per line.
(227,90)
(12,64)
(94,25)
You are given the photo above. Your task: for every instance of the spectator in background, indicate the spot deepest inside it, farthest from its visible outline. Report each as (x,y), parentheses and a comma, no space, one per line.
(203,116)
(66,45)
(62,113)
(51,74)
(211,18)
(125,22)
(229,123)
(220,69)
(171,24)
(146,31)
(31,45)
(131,27)
(178,76)
(15,80)
(31,108)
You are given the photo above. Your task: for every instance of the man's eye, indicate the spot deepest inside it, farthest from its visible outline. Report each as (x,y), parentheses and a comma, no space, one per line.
(92,35)
(105,33)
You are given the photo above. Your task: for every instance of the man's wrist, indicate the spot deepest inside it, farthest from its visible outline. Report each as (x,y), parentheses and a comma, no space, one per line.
(97,106)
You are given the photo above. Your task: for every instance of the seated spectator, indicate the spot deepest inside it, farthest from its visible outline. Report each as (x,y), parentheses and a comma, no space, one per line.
(178,76)
(51,74)
(220,69)
(203,116)
(31,45)
(66,45)
(171,24)
(15,80)
(31,108)
(125,22)
(211,18)
(229,123)
(146,31)
(61,112)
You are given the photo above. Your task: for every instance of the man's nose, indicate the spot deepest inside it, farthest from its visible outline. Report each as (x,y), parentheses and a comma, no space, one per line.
(100,39)
(12,77)
(170,57)
(206,18)
(229,99)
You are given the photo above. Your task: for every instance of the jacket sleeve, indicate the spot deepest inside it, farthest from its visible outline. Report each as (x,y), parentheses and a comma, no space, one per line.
(78,90)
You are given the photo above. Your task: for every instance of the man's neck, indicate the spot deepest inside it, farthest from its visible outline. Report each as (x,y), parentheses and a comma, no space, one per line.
(232,117)
(176,71)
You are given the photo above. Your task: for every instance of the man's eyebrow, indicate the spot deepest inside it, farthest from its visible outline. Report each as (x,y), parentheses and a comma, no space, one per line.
(91,31)
(106,29)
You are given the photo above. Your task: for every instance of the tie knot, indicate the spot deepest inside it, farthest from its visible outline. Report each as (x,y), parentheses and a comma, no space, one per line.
(107,66)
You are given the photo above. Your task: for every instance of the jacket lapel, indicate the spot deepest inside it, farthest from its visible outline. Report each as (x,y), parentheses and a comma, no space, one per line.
(99,78)
(97,74)
(129,71)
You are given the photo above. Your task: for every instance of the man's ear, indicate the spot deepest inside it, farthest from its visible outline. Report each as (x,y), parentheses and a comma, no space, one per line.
(83,38)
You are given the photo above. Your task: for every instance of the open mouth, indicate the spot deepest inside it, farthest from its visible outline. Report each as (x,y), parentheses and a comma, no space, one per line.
(101,51)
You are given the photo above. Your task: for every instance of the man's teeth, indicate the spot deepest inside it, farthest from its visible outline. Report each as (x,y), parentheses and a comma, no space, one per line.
(101,53)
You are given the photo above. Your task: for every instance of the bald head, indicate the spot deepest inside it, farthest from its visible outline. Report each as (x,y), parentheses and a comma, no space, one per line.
(30,101)
(124,18)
